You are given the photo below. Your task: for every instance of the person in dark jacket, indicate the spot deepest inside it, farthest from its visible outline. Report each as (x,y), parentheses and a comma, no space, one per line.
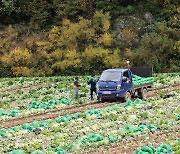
(92,83)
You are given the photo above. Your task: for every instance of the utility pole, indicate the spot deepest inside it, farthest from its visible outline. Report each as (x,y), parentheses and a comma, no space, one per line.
(128,62)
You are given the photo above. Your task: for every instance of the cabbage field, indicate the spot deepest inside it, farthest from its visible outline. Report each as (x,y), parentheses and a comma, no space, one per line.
(88,130)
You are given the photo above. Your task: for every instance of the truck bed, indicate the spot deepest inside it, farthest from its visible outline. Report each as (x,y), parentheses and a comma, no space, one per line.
(148,86)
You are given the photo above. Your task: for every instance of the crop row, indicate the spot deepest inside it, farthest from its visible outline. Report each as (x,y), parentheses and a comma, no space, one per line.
(18,102)
(173,147)
(94,128)
(8,83)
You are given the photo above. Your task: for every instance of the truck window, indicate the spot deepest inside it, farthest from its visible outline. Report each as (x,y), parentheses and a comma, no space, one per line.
(110,76)
(126,74)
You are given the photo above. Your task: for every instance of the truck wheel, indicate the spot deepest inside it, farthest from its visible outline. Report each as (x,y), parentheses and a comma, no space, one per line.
(127,96)
(101,100)
(143,94)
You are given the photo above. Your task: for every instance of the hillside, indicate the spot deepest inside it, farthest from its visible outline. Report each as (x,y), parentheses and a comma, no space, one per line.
(52,37)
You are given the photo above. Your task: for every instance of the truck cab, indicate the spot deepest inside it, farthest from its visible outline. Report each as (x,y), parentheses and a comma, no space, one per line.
(119,83)
(114,84)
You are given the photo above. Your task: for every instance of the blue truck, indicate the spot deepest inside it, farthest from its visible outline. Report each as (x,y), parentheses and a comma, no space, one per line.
(118,84)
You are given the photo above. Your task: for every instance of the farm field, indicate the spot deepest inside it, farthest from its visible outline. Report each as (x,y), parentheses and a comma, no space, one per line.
(87,130)
(51,93)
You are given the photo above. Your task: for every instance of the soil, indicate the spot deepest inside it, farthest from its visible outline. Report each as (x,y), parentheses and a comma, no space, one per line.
(76,108)
(129,146)
(25,87)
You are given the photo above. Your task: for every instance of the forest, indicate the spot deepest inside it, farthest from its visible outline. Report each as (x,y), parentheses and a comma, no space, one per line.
(77,37)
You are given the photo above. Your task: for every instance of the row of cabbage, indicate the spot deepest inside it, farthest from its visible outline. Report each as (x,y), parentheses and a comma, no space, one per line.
(11,83)
(172,147)
(18,102)
(37,100)
(165,79)
(35,105)
(93,128)
(160,79)
(60,87)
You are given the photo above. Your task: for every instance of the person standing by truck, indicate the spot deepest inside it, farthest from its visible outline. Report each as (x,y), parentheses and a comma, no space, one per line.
(92,82)
(76,86)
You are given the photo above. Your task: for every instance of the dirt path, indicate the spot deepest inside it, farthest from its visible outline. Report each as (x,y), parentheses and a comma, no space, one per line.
(129,146)
(26,87)
(53,114)
(164,90)
(73,109)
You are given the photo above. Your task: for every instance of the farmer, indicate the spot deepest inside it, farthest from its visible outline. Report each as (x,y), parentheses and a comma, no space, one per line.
(92,82)
(76,86)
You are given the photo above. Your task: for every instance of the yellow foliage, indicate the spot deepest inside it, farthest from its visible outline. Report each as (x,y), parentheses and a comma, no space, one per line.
(175,19)
(71,34)
(177,46)
(112,60)
(21,56)
(17,57)
(41,53)
(161,27)
(22,71)
(71,59)
(99,55)
(127,53)
(19,60)
(94,53)
(54,34)
(8,38)
(41,43)
(105,39)
(127,35)
(106,25)
(46,70)
(57,54)
(101,21)
(5,60)
(71,55)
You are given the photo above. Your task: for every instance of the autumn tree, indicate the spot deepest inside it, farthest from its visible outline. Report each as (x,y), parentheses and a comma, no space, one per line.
(101,24)
(98,58)
(19,60)
(66,62)
(72,36)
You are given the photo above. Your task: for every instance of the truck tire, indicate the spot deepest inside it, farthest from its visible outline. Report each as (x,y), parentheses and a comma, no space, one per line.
(101,100)
(143,94)
(127,96)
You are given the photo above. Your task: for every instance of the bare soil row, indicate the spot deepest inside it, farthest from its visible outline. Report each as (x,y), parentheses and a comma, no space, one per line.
(25,87)
(76,108)
(130,145)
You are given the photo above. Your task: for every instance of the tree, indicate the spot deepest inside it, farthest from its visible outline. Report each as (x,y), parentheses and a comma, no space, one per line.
(19,61)
(67,9)
(156,51)
(98,59)
(65,61)
(72,36)
(8,39)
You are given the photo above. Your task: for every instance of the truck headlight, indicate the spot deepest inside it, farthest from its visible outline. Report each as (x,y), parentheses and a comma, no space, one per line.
(118,87)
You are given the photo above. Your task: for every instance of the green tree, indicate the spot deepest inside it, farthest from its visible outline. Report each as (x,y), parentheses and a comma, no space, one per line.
(69,9)
(156,51)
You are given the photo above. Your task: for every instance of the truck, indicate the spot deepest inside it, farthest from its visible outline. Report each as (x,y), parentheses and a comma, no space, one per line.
(122,83)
